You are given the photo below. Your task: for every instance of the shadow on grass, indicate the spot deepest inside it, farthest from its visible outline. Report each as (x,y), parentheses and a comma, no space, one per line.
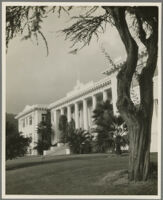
(56,159)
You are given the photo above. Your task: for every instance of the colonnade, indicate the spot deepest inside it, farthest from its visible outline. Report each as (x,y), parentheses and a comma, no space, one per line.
(80,107)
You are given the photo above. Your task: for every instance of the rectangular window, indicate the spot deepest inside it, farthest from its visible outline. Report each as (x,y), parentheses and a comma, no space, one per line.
(43,117)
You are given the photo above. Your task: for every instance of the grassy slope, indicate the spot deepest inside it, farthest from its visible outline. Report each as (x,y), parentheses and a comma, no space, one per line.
(70,175)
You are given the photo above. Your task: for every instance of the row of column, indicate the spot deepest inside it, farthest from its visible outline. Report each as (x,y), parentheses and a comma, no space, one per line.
(84,119)
(76,111)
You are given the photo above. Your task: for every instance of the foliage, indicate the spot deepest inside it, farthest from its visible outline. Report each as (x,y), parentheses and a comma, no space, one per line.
(110,129)
(44,135)
(71,127)
(119,132)
(63,127)
(27,20)
(16,144)
(79,141)
(42,145)
(11,119)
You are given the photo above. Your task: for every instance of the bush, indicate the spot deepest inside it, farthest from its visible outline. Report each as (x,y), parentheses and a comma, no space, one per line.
(63,127)
(16,144)
(44,135)
(112,132)
(80,141)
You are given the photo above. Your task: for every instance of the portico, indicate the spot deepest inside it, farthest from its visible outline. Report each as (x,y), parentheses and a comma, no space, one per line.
(80,103)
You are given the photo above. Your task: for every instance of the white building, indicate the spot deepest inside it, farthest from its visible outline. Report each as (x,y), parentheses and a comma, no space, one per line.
(28,121)
(80,103)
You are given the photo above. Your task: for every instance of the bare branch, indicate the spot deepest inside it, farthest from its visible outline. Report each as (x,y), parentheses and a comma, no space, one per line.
(46,43)
(85,28)
(28,20)
(90,11)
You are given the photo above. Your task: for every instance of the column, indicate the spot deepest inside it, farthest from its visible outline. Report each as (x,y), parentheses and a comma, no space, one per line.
(62,111)
(114,93)
(68,113)
(105,95)
(55,126)
(85,114)
(94,102)
(90,117)
(76,116)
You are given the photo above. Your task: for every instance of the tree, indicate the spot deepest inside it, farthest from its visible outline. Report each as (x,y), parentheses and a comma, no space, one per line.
(119,131)
(102,118)
(71,127)
(111,130)
(145,21)
(79,141)
(44,135)
(16,144)
(138,120)
(63,127)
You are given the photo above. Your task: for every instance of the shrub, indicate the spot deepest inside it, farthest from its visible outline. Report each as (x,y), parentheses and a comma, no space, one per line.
(16,144)
(79,141)
(112,132)
(44,135)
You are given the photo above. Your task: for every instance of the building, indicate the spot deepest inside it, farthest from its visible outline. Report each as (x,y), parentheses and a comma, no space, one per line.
(79,104)
(28,121)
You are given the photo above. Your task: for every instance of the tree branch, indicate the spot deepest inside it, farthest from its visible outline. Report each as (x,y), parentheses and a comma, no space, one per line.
(142,33)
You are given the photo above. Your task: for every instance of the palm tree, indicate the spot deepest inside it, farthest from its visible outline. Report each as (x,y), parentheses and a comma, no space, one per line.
(79,141)
(111,129)
(119,132)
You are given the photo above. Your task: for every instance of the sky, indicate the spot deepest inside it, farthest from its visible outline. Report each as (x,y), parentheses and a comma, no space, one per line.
(32,77)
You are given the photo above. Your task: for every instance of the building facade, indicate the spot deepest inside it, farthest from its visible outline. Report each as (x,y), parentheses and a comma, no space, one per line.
(28,121)
(79,104)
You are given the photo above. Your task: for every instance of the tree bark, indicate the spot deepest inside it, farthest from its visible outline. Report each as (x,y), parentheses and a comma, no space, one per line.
(139,148)
(139,119)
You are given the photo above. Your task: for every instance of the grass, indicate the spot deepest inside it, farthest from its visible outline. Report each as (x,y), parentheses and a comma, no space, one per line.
(73,175)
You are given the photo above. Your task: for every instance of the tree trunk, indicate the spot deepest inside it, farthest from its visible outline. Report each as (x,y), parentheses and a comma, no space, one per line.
(139,148)
(139,119)
(117,145)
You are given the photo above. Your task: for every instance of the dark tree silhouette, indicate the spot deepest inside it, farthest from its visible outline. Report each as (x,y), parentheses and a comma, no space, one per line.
(16,144)
(44,134)
(110,129)
(63,127)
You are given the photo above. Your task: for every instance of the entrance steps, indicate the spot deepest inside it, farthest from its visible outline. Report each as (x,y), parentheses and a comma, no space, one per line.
(60,149)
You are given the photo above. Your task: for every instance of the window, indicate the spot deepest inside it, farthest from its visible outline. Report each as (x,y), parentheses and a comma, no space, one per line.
(43,117)
(30,120)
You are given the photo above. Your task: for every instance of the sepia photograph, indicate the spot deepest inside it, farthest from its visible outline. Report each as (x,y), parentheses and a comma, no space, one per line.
(81,100)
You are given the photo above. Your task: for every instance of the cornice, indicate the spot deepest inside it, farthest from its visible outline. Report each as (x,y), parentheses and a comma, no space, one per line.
(97,85)
(31,109)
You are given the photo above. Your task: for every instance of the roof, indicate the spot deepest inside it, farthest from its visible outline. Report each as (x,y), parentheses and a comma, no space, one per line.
(29,109)
(119,62)
(81,91)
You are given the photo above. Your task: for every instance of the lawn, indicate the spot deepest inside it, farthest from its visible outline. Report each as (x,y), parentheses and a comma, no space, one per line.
(74,175)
